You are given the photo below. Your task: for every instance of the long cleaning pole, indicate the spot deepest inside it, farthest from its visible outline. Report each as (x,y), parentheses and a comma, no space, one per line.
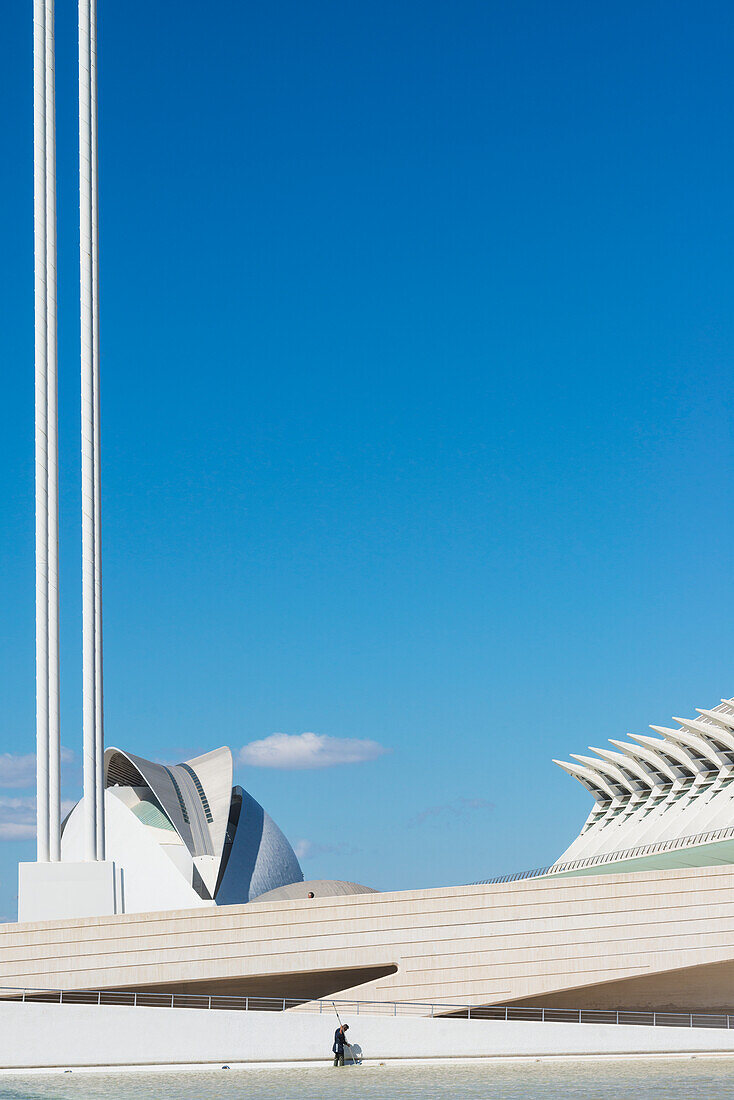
(353,1055)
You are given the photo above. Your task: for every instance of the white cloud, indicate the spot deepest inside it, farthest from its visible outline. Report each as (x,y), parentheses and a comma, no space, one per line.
(20,770)
(17,771)
(18,817)
(308,750)
(460,808)
(307,849)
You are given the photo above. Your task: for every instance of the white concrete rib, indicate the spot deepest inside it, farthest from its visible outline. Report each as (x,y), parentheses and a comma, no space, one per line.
(718,736)
(676,756)
(619,783)
(720,717)
(629,765)
(648,757)
(700,748)
(595,784)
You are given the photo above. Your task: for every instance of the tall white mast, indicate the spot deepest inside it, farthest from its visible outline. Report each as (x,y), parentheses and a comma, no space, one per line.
(41,328)
(91,573)
(98,693)
(47,572)
(54,739)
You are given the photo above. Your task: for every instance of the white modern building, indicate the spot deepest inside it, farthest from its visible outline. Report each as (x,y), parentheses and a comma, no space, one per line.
(182,835)
(663,801)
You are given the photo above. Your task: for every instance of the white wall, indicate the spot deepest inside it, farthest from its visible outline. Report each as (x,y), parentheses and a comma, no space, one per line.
(150,878)
(61,890)
(33,1035)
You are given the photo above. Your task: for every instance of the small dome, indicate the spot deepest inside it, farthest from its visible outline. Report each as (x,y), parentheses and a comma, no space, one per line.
(320,888)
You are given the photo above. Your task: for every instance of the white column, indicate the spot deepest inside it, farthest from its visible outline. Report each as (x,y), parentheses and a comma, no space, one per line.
(54,742)
(89,640)
(39,220)
(98,693)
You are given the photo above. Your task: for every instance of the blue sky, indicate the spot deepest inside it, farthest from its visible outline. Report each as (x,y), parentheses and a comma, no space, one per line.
(417,342)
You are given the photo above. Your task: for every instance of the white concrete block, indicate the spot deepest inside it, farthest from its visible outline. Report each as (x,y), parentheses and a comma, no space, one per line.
(51,891)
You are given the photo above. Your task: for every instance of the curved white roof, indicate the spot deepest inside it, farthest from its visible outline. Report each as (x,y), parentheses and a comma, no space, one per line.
(195,795)
(233,848)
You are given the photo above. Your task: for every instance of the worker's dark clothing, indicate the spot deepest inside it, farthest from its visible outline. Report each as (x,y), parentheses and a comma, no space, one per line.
(338,1047)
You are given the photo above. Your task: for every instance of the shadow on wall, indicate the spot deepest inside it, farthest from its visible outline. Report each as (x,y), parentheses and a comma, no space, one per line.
(310,985)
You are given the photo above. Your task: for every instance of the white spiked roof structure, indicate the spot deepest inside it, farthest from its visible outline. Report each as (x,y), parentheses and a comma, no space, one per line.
(675,786)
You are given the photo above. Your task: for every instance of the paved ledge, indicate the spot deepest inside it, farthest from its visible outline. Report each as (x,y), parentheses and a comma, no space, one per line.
(371,1064)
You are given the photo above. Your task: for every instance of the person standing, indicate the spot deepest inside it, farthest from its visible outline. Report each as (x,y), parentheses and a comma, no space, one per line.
(340,1038)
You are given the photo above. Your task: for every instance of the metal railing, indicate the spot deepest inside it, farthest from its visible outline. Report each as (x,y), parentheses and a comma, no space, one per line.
(612,857)
(508,1013)
(599,1016)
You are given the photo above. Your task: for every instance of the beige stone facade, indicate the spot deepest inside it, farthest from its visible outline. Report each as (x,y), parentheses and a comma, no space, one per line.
(665,939)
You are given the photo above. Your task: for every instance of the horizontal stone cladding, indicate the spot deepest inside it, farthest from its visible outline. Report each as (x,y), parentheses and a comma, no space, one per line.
(460,945)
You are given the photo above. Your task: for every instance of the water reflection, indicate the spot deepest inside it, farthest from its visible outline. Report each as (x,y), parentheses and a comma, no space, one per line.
(672,1079)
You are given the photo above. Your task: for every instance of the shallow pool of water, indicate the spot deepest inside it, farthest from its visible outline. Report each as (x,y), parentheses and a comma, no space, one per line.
(638,1079)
